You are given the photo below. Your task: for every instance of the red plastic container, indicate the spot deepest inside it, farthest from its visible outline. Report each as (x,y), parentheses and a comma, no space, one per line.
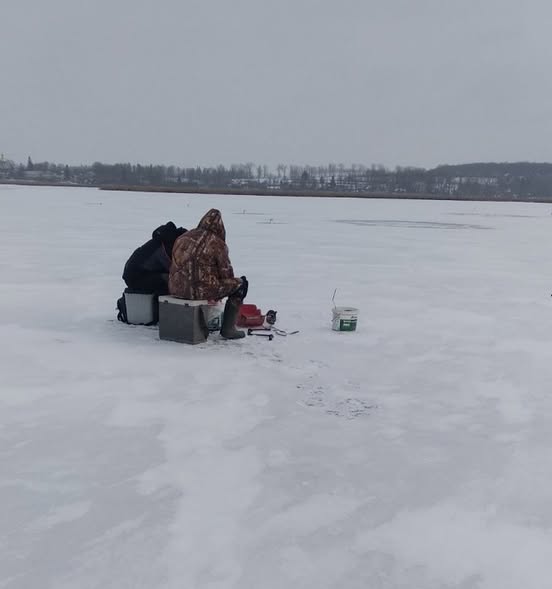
(250,316)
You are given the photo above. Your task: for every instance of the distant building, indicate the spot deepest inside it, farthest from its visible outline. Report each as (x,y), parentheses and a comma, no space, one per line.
(38,175)
(7,167)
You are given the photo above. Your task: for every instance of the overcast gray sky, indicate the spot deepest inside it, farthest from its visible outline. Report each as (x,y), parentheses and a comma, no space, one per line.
(202,82)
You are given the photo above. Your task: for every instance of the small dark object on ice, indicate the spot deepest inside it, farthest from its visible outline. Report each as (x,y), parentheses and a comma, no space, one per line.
(272,329)
(261,333)
(271,317)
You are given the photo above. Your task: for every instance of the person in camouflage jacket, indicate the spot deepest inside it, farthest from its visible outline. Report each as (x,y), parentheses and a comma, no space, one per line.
(201,270)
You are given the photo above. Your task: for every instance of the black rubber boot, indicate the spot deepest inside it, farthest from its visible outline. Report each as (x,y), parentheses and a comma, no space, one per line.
(231,310)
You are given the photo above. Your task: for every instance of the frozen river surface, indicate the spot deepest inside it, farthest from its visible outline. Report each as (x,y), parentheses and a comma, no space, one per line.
(415,453)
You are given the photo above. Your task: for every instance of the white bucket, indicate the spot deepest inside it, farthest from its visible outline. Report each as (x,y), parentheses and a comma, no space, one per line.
(140,308)
(344,318)
(213,315)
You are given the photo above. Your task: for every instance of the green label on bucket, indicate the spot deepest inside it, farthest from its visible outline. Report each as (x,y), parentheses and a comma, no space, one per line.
(347,325)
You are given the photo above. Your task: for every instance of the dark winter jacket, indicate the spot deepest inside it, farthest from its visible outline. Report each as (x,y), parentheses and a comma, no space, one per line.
(148,267)
(201,268)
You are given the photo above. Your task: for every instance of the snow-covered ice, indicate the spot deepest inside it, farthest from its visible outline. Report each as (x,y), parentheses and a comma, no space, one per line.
(414,453)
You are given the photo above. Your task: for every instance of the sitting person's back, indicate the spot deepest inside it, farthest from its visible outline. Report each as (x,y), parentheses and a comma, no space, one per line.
(201,270)
(201,267)
(147,269)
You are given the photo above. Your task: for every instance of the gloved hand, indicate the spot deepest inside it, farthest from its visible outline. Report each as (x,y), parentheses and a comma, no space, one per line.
(244,287)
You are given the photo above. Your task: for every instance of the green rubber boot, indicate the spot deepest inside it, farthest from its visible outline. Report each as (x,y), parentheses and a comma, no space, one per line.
(231,310)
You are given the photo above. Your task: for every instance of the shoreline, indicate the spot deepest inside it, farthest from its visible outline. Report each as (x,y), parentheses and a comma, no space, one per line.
(288,193)
(322,194)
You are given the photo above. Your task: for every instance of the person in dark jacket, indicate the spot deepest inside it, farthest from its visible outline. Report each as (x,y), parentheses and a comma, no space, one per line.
(201,270)
(147,269)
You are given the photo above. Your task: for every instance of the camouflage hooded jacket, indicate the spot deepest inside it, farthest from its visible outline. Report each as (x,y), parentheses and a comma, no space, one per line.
(200,266)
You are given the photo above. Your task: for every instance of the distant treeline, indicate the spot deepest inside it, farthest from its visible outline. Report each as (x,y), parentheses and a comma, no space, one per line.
(520,180)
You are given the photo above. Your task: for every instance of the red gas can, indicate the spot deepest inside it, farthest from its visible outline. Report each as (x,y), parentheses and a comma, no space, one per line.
(250,316)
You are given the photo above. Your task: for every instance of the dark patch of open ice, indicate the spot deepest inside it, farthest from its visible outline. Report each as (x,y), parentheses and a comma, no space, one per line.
(410,224)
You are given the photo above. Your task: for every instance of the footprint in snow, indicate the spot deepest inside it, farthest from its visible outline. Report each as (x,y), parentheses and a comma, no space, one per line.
(351,408)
